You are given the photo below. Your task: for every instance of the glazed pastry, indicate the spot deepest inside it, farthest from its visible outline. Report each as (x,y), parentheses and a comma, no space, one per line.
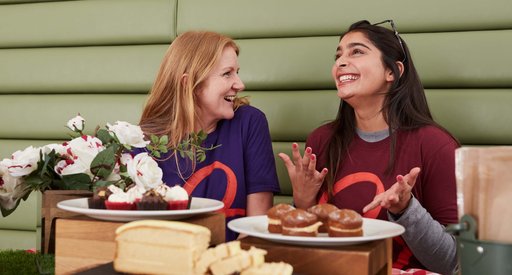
(275,214)
(322,212)
(345,223)
(300,222)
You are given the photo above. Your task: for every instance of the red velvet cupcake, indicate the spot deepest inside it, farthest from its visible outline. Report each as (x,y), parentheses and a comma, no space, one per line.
(119,201)
(177,198)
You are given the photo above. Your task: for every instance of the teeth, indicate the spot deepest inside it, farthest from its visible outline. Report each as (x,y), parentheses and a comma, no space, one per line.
(230,98)
(347,77)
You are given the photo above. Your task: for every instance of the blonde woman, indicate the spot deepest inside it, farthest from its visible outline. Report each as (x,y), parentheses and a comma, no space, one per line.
(196,89)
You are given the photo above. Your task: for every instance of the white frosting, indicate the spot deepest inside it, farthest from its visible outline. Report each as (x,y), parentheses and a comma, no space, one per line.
(162,189)
(120,197)
(114,189)
(274,221)
(312,228)
(136,192)
(176,193)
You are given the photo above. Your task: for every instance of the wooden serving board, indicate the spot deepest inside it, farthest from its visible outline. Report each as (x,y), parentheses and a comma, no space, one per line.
(82,243)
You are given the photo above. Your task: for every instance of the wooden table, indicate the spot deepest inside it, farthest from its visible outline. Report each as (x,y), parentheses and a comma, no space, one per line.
(83,243)
(367,258)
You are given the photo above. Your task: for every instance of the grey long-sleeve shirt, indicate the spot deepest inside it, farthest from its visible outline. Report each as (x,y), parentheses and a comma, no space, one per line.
(427,239)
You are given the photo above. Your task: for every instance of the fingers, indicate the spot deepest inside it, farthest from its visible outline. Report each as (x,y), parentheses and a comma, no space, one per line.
(307,157)
(287,161)
(376,202)
(413,175)
(323,173)
(297,159)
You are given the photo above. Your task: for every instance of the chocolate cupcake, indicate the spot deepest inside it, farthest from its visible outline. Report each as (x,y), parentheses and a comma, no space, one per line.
(345,223)
(322,212)
(274,216)
(152,200)
(99,196)
(300,222)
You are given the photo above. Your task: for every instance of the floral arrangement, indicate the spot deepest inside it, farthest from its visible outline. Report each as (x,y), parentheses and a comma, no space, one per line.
(89,161)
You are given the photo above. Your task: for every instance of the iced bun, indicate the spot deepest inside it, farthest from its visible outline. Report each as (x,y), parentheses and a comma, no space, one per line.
(275,214)
(345,223)
(299,222)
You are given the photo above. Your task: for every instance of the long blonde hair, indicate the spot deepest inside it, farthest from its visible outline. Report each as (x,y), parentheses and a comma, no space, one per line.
(170,108)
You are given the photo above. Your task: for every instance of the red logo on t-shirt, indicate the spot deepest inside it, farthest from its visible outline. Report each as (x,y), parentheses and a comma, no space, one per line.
(231,186)
(354,179)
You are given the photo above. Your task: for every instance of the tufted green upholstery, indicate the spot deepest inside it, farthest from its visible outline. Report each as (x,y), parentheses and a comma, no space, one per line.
(99,58)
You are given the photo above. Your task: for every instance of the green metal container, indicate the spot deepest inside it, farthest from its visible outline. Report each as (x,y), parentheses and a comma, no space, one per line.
(480,257)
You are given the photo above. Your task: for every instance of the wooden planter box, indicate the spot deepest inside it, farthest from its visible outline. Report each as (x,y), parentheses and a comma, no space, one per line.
(50,212)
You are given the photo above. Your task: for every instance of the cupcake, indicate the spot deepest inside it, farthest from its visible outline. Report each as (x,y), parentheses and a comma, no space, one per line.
(135,192)
(120,201)
(177,198)
(100,195)
(152,200)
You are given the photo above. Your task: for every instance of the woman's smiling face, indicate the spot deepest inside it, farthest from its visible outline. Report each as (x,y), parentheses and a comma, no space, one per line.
(358,70)
(215,98)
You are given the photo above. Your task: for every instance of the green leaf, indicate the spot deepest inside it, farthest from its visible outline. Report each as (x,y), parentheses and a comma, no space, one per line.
(154,139)
(34,182)
(6,212)
(202,135)
(102,183)
(104,136)
(79,181)
(156,154)
(123,169)
(163,148)
(104,162)
(164,140)
(201,158)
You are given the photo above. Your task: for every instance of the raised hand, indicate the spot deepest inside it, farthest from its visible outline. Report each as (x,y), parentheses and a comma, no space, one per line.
(396,199)
(306,180)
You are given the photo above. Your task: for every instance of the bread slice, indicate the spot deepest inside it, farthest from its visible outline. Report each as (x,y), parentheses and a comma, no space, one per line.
(280,268)
(217,253)
(243,260)
(159,247)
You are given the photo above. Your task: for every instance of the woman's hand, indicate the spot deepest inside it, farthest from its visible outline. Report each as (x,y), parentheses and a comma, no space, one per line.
(396,199)
(306,180)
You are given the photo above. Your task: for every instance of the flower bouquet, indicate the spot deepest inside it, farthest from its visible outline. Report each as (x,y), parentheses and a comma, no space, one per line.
(88,162)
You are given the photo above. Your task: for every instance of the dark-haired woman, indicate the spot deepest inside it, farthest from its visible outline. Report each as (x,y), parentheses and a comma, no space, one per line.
(383,156)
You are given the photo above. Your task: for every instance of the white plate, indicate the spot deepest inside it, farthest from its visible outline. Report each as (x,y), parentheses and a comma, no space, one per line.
(197,206)
(372,230)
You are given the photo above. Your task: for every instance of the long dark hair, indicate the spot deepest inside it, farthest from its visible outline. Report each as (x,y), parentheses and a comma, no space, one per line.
(405,105)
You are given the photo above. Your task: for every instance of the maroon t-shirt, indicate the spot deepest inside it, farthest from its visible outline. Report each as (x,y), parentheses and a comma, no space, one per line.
(362,175)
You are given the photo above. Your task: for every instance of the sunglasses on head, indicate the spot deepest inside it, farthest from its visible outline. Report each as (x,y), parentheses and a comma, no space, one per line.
(393,27)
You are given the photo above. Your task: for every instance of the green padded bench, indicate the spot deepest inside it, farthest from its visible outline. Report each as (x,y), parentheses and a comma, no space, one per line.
(99,58)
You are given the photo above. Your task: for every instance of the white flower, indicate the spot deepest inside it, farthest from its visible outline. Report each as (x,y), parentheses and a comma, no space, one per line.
(23,162)
(126,158)
(76,124)
(144,171)
(11,188)
(128,134)
(80,153)
(59,149)
(71,167)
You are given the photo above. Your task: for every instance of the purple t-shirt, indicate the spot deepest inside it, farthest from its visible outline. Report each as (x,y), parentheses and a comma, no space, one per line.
(243,164)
